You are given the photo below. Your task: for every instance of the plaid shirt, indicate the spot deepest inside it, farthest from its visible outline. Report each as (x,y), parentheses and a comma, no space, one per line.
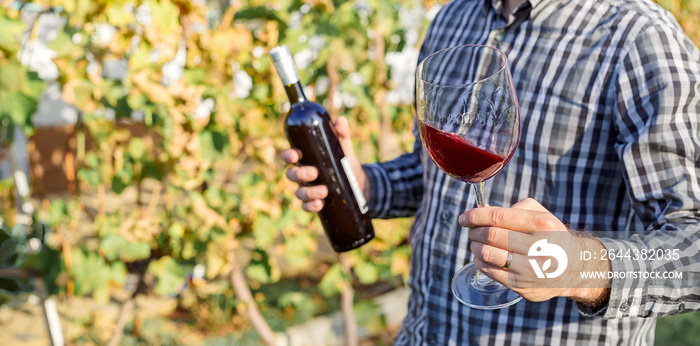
(609,95)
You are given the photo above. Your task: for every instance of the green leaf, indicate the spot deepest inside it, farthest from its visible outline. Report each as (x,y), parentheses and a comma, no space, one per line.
(150,169)
(294,299)
(333,281)
(367,315)
(81,10)
(400,261)
(17,106)
(248,179)
(49,263)
(213,144)
(298,249)
(303,304)
(12,31)
(91,174)
(4,233)
(264,231)
(260,91)
(259,12)
(57,212)
(13,286)
(289,216)
(93,275)
(20,90)
(139,60)
(122,180)
(366,272)
(169,274)
(259,273)
(260,268)
(195,76)
(137,148)
(188,250)
(12,246)
(118,15)
(214,196)
(176,230)
(165,15)
(115,247)
(19,232)
(138,101)
(35,86)
(12,76)
(92,160)
(8,249)
(64,47)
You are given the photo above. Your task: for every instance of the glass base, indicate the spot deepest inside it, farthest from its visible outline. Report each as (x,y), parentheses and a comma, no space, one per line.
(476,290)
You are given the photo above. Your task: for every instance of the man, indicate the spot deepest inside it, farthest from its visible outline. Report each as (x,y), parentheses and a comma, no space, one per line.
(609,95)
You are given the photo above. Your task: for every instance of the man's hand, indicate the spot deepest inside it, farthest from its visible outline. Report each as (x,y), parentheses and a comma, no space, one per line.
(496,231)
(312,196)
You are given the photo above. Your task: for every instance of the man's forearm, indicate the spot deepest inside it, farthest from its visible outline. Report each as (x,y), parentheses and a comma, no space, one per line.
(596,294)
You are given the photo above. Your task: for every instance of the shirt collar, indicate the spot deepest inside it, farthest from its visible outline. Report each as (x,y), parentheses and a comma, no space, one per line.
(496,4)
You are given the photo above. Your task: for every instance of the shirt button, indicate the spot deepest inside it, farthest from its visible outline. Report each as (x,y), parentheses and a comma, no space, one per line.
(499,36)
(624,307)
(432,339)
(446,216)
(437,275)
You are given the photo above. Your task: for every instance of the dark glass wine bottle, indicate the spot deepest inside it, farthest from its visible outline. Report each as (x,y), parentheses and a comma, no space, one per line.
(308,126)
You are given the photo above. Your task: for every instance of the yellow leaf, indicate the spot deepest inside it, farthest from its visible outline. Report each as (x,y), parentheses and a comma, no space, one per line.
(207,215)
(154,91)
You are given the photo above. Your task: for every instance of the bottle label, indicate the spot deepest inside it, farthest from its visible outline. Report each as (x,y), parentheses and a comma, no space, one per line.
(356,190)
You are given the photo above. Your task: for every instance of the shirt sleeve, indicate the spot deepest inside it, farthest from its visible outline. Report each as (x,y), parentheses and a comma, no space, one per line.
(658,120)
(396,186)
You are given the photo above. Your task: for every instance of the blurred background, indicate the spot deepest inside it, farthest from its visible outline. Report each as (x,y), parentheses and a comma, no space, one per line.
(142,199)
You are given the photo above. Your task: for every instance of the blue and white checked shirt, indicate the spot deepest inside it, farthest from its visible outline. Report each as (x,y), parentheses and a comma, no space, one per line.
(609,95)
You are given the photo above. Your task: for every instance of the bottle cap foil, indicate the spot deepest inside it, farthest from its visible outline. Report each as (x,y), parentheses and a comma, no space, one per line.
(284,64)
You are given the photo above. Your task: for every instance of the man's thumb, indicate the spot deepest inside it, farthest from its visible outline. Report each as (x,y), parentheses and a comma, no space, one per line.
(342,130)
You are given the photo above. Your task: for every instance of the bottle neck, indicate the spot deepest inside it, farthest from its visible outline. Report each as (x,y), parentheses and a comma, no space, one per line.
(295,92)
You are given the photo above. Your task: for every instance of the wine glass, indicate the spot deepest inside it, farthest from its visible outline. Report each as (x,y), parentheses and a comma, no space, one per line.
(469,123)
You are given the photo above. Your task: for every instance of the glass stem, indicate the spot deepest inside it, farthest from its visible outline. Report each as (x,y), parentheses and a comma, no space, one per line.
(480,196)
(479,277)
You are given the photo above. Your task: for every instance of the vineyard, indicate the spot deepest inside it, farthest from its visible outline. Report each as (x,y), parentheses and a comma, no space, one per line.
(143,200)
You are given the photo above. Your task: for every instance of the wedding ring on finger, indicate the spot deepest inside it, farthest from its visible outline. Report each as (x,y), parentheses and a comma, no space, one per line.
(509,260)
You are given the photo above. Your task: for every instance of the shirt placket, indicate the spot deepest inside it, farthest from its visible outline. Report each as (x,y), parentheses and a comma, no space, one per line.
(442,262)
(500,25)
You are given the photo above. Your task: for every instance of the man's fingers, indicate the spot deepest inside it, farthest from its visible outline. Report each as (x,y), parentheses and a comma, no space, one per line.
(489,254)
(291,155)
(500,238)
(313,206)
(530,204)
(518,276)
(305,174)
(492,271)
(342,128)
(310,193)
(520,220)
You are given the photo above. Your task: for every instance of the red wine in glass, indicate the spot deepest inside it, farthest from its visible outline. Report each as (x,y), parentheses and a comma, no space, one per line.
(458,157)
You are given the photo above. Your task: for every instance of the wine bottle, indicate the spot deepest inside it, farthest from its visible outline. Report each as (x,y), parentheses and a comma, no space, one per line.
(308,127)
